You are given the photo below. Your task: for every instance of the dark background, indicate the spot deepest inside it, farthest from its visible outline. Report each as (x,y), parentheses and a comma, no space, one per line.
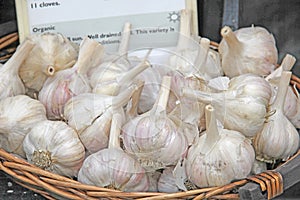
(280,17)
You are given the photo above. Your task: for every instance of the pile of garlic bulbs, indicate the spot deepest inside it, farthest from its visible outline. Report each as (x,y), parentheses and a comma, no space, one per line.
(134,123)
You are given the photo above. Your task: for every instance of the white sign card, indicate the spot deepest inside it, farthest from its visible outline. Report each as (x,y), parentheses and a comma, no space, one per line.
(155,23)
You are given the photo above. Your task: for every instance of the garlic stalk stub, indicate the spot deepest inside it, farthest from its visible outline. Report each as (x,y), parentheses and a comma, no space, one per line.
(112,167)
(18,115)
(90,115)
(59,88)
(55,147)
(153,137)
(242,107)
(247,50)
(219,155)
(10,82)
(52,52)
(278,139)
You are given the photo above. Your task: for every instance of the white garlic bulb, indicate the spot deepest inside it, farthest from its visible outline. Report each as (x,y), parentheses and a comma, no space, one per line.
(18,115)
(219,155)
(10,82)
(55,147)
(291,104)
(112,167)
(111,82)
(66,83)
(278,139)
(153,137)
(52,52)
(247,50)
(242,107)
(90,115)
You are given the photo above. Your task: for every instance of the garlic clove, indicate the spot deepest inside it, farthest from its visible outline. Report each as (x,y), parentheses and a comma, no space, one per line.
(52,52)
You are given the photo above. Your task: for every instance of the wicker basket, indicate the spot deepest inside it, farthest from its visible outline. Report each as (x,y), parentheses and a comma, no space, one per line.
(53,186)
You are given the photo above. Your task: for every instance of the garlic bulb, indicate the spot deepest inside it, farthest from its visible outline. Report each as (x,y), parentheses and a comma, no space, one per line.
(59,88)
(90,115)
(18,115)
(112,84)
(55,147)
(247,50)
(219,155)
(291,104)
(153,137)
(278,139)
(52,52)
(242,107)
(112,167)
(103,76)
(10,82)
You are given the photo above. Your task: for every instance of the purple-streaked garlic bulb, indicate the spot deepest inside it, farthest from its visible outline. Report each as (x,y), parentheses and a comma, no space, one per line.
(218,156)
(10,82)
(278,138)
(67,83)
(242,107)
(18,115)
(112,167)
(90,115)
(52,52)
(55,147)
(247,50)
(153,138)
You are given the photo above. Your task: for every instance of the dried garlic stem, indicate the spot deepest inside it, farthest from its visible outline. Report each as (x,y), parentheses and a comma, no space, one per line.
(202,52)
(115,130)
(282,90)
(233,43)
(212,132)
(89,48)
(131,74)
(163,96)
(185,30)
(123,48)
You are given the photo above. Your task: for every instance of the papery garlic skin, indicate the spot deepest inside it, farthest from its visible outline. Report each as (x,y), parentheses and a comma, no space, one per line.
(167,182)
(278,139)
(52,52)
(219,155)
(247,50)
(55,147)
(18,115)
(10,82)
(113,168)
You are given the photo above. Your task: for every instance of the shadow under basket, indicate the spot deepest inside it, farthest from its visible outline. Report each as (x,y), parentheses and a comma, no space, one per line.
(266,185)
